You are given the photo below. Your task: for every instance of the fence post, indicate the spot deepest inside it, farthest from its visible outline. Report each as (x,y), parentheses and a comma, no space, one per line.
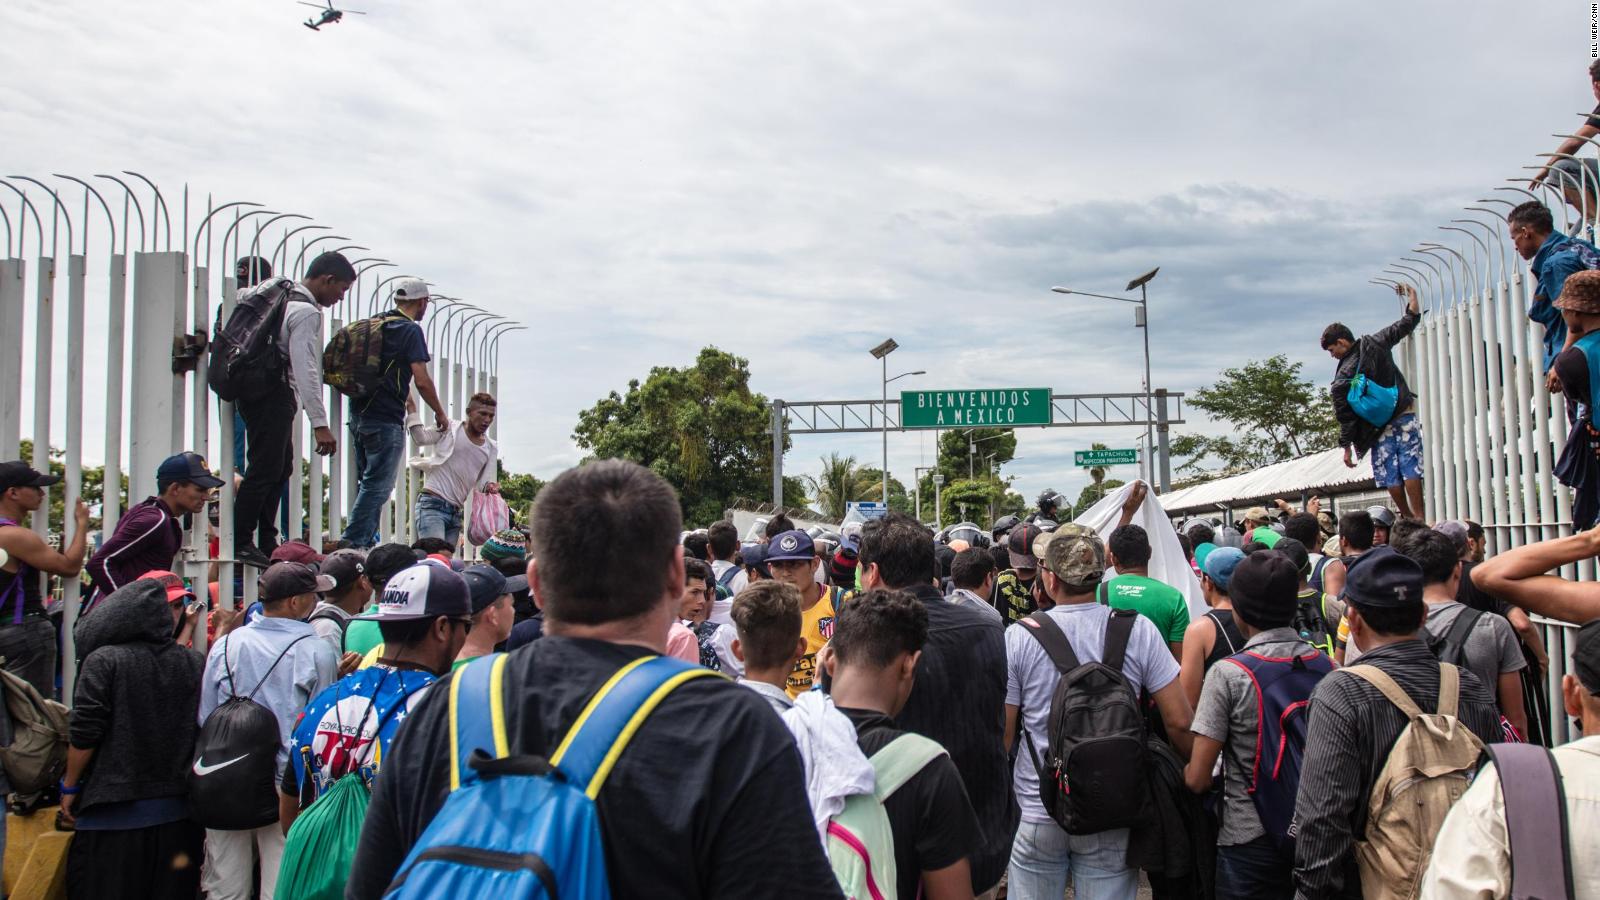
(13,285)
(44,328)
(156,419)
(777,452)
(71,587)
(116,336)
(1163,449)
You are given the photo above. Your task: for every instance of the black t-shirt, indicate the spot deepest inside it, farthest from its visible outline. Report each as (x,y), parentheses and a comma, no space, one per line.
(960,701)
(403,344)
(931,818)
(708,799)
(1470,595)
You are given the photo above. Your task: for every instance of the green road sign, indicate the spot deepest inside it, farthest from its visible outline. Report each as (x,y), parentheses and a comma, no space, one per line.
(990,408)
(1105,457)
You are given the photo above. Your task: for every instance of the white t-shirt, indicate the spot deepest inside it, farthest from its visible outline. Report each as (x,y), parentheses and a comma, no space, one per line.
(456,479)
(720,608)
(1031,680)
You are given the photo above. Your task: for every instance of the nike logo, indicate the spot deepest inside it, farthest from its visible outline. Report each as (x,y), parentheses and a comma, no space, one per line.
(201,769)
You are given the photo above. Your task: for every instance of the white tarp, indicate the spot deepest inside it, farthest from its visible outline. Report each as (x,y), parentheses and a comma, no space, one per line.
(1167,562)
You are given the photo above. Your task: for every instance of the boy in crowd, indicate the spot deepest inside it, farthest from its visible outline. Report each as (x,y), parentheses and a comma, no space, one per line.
(872,667)
(767,619)
(131,742)
(711,780)
(489,594)
(792,558)
(1044,856)
(423,617)
(1482,643)
(149,534)
(1133,588)
(281,653)
(1353,725)
(348,598)
(972,575)
(1014,589)
(1250,864)
(1215,636)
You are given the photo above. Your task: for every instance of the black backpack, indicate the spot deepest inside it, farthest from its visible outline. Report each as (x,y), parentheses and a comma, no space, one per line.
(246,360)
(1094,774)
(1451,646)
(233,785)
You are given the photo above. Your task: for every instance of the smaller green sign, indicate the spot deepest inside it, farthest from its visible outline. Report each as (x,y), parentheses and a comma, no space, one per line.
(1105,457)
(989,407)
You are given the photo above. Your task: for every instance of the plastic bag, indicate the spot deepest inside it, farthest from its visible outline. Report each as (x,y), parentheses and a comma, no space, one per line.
(489,514)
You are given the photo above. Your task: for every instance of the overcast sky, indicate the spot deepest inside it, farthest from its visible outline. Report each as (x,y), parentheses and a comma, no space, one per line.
(794,182)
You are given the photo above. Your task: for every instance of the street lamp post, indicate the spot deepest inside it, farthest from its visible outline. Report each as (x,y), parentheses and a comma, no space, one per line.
(881,353)
(1141,319)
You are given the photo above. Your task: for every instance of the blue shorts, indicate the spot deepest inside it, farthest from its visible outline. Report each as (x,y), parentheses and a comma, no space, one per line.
(1397,457)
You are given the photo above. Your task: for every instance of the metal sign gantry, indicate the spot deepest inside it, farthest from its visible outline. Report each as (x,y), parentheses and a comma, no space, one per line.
(1067,411)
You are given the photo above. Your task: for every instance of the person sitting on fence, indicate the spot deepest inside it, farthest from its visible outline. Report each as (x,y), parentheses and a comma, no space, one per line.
(1553,257)
(1579,465)
(1375,406)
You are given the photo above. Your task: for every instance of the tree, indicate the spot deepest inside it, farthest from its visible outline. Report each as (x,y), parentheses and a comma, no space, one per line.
(93,486)
(698,427)
(968,500)
(955,461)
(1097,487)
(899,500)
(1275,415)
(519,491)
(840,482)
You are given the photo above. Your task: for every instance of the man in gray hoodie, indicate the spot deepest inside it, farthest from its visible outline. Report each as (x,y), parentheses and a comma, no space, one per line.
(132,733)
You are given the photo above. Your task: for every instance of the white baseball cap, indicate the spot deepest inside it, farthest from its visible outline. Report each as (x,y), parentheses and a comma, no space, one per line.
(410,290)
(424,591)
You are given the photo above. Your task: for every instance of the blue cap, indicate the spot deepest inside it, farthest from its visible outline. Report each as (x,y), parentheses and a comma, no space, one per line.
(791,545)
(1382,577)
(1220,564)
(485,584)
(186,467)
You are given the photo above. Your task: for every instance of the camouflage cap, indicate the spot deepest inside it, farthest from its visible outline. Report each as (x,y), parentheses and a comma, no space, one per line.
(1581,292)
(1076,555)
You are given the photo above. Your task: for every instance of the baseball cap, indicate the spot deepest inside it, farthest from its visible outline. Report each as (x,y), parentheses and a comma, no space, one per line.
(485,584)
(175,588)
(385,561)
(296,552)
(1255,514)
(1586,657)
(186,467)
(1041,544)
(1266,536)
(1382,577)
(19,474)
(344,567)
(1202,552)
(1220,564)
(1263,588)
(282,580)
(1019,543)
(790,545)
(410,290)
(425,590)
(1297,553)
(1076,555)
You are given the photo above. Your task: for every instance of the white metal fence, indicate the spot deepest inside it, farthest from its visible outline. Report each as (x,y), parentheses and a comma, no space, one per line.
(81,255)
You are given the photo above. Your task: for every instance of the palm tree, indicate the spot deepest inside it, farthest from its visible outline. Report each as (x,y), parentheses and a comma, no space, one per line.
(1097,474)
(841,481)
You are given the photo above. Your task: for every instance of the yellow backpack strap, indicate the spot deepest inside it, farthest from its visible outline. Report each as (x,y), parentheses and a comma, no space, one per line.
(477,715)
(602,731)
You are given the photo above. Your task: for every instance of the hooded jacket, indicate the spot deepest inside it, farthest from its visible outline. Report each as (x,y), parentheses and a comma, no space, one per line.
(135,699)
(1372,353)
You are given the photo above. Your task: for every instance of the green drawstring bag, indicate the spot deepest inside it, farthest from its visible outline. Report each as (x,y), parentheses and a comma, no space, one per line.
(321,845)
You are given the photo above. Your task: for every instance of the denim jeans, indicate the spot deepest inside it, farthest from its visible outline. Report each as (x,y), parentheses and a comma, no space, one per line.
(1256,870)
(437,517)
(378,446)
(1043,857)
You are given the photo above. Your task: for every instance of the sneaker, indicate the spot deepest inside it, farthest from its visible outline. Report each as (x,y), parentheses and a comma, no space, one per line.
(251,555)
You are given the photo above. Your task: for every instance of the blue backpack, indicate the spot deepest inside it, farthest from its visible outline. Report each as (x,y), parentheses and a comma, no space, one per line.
(524,826)
(1283,689)
(1371,400)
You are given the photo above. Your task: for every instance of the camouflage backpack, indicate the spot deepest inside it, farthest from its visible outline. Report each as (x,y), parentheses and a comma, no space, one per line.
(352,363)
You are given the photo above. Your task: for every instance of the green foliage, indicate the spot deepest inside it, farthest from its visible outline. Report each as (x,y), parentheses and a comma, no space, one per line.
(93,486)
(976,495)
(899,499)
(953,451)
(1097,487)
(794,491)
(699,427)
(519,491)
(842,480)
(1275,415)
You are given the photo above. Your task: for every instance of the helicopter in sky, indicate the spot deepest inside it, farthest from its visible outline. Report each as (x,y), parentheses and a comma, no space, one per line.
(329,16)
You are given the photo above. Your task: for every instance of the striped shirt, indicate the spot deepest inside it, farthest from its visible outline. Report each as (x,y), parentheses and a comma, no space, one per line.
(1352,729)
(148,537)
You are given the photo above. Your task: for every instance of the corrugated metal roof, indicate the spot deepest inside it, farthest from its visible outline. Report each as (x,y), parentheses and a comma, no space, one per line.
(1317,472)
